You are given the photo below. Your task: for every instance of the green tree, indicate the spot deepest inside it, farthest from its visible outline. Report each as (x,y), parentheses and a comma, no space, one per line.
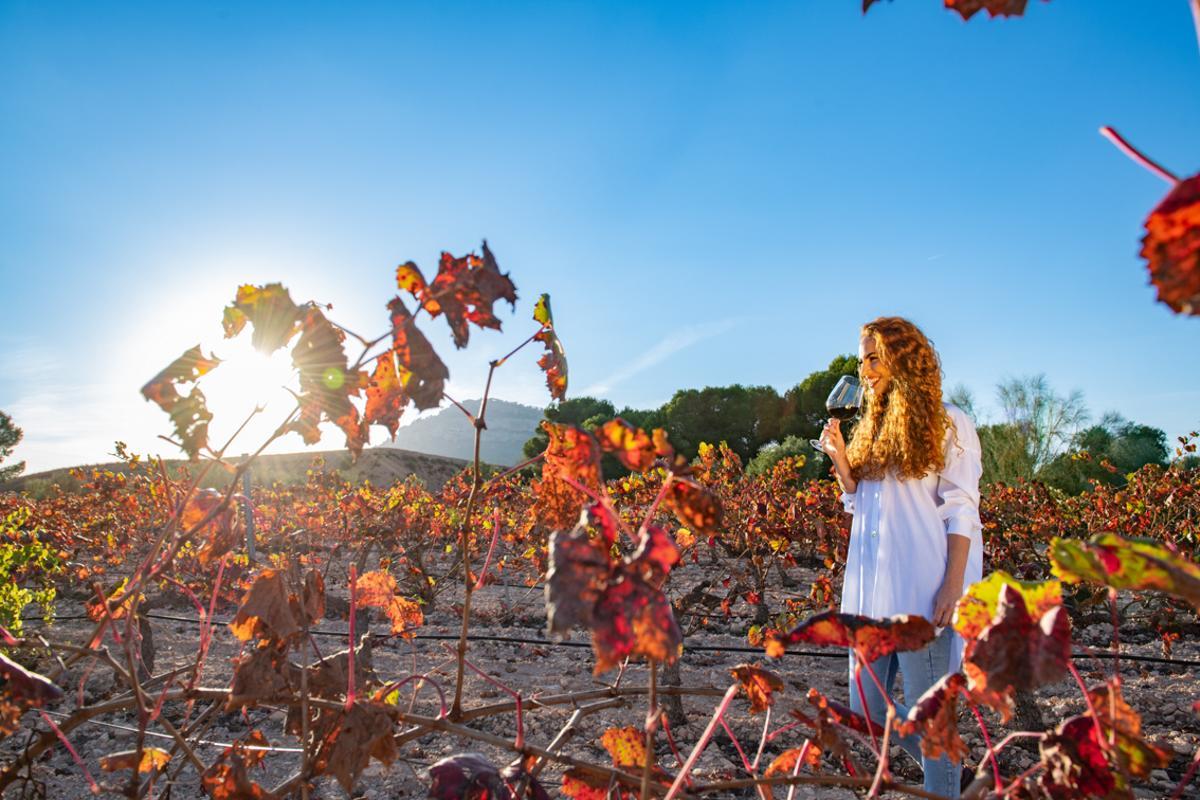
(1126,445)
(10,435)
(1044,421)
(772,453)
(744,417)
(1006,456)
(804,412)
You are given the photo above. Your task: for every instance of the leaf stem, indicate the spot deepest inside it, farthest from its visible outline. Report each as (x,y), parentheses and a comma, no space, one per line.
(1137,156)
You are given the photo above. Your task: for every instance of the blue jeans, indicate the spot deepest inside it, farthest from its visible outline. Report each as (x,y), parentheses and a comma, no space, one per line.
(920,669)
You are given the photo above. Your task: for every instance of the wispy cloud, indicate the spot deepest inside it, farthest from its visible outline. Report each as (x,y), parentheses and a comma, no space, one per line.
(679,340)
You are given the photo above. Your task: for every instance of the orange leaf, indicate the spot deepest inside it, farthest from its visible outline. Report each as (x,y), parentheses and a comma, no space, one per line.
(153,759)
(870,638)
(632,446)
(379,589)
(1171,247)
(266,611)
(760,685)
(785,762)
(627,746)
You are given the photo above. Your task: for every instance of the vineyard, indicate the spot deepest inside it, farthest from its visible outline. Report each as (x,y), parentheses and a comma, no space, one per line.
(547,631)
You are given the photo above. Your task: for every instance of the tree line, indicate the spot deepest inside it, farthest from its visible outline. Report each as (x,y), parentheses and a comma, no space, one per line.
(1040,434)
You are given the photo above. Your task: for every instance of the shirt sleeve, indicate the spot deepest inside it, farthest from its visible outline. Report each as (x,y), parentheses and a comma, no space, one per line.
(848,502)
(958,483)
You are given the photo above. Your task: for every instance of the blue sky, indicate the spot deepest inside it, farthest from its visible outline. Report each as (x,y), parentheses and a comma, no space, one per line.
(711,192)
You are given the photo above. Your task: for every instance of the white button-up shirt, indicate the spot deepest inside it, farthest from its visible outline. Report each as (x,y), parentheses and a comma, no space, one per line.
(897,554)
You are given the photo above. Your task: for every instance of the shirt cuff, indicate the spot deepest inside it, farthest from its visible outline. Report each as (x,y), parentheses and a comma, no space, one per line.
(848,502)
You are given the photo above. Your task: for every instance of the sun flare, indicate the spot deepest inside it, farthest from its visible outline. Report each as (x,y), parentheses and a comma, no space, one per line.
(246,380)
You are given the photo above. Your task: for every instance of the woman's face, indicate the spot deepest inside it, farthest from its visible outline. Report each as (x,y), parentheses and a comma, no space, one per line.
(875,373)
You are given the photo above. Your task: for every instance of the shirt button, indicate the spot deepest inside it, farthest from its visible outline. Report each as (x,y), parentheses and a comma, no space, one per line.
(874,533)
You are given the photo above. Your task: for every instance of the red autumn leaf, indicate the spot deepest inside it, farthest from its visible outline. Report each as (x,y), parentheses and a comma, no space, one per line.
(1075,762)
(627,746)
(228,778)
(656,555)
(470,776)
(571,453)
(152,759)
(1171,247)
(326,383)
(785,762)
(579,568)
(1110,560)
(582,785)
(350,739)
(934,717)
(189,414)
(269,309)
(633,618)
(22,689)
(1017,652)
(870,638)
(1135,756)
(379,589)
(266,610)
(759,684)
(969,8)
(223,532)
(554,361)
(632,446)
(465,290)
(386,397)
(693,505)
(603,520)
(422,373)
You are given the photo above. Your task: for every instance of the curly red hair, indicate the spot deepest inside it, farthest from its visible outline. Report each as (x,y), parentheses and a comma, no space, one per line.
(905,428)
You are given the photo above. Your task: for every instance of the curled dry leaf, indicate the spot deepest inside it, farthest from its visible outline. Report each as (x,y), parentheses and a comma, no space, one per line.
(465,290)
(554,361)
(189,413)
(421,371)
(870,638)
(327,383)
(1171,247)
(228,778)
(1111,560)
(759,684)
(934,717)
(350,739)
(266,611)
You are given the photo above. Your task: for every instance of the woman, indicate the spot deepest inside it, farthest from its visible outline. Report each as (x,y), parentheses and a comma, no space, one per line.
(910,476)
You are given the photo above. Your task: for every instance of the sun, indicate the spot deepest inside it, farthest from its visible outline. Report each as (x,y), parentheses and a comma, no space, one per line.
(246,380)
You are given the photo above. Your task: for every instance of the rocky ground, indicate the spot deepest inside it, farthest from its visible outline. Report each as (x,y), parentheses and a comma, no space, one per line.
(1163,694)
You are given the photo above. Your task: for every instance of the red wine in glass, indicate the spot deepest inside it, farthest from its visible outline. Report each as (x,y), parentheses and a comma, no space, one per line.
(843,403)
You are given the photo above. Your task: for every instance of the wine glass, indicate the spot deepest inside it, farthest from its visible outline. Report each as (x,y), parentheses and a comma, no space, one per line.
(843,403)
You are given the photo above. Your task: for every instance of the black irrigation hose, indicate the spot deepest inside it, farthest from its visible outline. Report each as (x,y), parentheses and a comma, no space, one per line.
(696,648)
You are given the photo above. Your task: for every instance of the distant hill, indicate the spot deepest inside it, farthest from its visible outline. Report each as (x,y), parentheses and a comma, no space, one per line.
(448,433)
(381,466)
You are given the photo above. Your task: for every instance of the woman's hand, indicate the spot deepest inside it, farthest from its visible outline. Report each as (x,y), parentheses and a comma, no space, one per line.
(945,600)
(832,442)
